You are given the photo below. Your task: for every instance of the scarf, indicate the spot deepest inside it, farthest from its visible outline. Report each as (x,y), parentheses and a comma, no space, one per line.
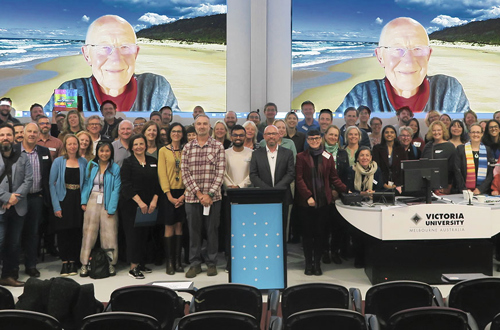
(368,174)
(318,185)
(332,149)
(471,182)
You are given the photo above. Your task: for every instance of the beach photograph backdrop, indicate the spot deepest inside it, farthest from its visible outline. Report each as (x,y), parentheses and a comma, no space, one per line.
(333,45)
(41,40)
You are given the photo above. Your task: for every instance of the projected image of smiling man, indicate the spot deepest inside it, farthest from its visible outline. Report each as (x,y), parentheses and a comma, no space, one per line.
(404,53)
(111,51)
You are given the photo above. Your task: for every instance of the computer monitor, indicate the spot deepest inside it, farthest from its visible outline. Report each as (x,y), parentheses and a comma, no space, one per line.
(422,175)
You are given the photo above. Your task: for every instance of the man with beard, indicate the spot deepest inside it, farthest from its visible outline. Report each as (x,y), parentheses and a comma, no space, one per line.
(5,108)
(15,182)
(203,164)
(18,132)
(237,161)
(166,115)
(45,139)
(108,110)
(404,115)
(38,196)
(273,166)
(230,119)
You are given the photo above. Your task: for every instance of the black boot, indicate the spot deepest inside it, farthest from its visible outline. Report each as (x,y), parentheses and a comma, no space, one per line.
(177,259)
(169,249)
(308,258)
(317,264)
(336,257)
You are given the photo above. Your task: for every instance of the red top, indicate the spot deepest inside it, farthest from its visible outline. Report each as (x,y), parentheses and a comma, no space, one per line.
(124,101)
(416,102)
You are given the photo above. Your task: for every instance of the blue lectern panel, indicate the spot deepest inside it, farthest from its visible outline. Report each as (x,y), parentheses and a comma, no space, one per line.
(257,245)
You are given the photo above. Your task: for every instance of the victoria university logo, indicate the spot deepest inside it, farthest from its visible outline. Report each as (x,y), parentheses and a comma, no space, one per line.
(416,218)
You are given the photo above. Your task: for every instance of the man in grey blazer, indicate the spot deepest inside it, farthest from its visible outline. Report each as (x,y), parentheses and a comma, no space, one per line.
(16,179)
(273,166)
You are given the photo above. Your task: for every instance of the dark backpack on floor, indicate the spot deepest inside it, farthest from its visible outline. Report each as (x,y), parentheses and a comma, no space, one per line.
(98,263)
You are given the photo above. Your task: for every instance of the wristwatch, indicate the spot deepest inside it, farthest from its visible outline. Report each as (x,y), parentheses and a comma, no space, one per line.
(211,194)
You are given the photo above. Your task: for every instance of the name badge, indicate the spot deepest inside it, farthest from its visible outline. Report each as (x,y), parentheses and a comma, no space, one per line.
(326,155)
(153,165)
(417,144)
(438,151)
(52,149)
(305,128)
(45,157)
(99,199)
(375,182)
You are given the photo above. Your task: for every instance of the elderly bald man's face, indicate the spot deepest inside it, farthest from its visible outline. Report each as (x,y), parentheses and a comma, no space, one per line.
(111,51)
(405,73)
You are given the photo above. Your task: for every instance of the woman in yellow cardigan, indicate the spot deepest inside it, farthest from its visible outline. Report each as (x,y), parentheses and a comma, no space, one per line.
(173,213)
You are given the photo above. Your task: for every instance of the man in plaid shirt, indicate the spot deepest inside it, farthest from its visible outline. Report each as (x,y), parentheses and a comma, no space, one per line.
(203,164)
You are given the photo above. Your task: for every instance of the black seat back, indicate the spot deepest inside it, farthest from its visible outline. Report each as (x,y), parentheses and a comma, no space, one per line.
(480,297)
(303,297)
(385,299)
(230,296)
(326,319)
(159,302)
(27,320)
(6,299)
(429,318)
(120,320)
(218,320)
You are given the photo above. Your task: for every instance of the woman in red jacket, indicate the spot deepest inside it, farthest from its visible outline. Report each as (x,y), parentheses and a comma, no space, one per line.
(316,175)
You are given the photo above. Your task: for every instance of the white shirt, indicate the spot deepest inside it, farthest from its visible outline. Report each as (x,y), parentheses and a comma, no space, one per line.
(271,158)
(238,167)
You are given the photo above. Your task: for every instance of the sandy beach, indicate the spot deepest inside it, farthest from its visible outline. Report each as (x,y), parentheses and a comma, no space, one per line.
(197,74)
(475,67)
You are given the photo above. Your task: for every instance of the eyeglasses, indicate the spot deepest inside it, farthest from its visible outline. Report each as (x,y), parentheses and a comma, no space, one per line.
(317,138)
(106,50)
(238,135)
(139,125)
(418,51)
(96,124)
(43,123)
(271,134)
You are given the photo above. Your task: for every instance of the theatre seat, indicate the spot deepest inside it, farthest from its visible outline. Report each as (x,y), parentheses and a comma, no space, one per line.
(6,299)
(218,320)
(480,297)
(159,302)
(231,297)
(330,319)
(432,318)
(120,321)
(385,299)
(17,319)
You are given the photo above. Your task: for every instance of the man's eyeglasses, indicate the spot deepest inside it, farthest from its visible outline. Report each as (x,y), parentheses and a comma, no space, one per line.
(418,51)
(271,134)
(139,125)
(94,124)
(106,50)
(43,123)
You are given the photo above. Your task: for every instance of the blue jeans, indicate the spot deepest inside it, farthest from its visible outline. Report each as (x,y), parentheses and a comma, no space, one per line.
(30,237)
(12,225)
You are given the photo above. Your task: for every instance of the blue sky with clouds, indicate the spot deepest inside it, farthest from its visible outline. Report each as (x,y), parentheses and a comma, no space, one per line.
(364,19)
(70,19)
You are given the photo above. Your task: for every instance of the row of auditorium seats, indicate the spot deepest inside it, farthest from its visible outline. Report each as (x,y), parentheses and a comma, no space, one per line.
(409,305)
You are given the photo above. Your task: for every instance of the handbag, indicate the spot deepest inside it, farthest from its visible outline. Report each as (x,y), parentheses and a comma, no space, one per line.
(145,220)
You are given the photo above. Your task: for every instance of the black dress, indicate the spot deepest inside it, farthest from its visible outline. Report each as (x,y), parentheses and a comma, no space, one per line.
(72,214)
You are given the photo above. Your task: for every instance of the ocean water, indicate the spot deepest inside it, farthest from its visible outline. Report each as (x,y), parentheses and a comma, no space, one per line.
(319,55)
(20,53)
(24,53)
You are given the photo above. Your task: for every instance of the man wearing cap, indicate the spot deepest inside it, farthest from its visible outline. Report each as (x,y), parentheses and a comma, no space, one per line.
(5,108)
